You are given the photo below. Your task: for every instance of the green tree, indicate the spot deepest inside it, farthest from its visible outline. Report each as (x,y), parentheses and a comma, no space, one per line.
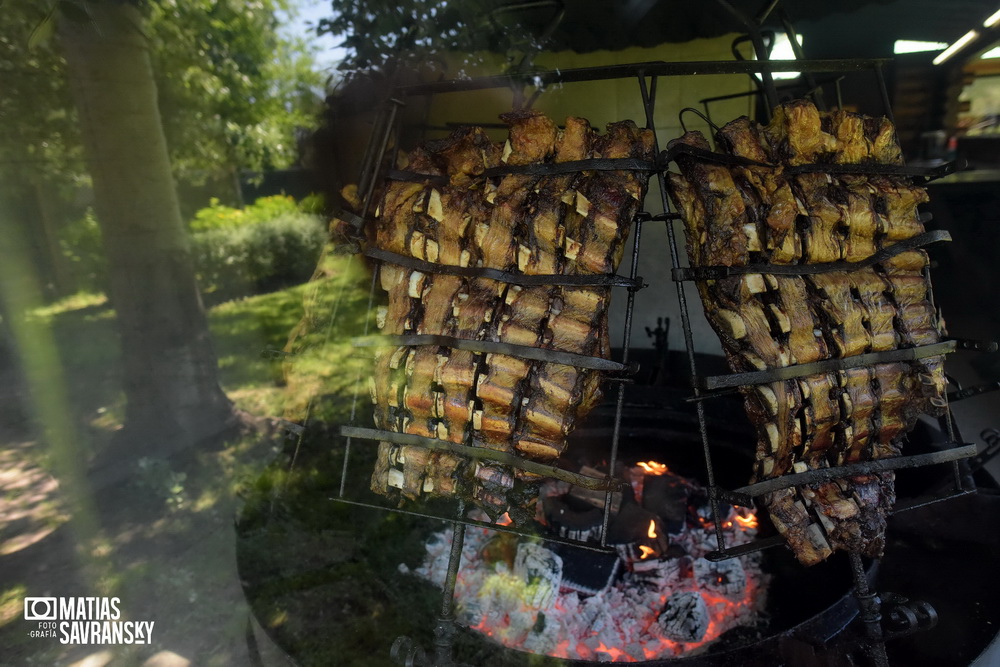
(234,92)
(383,34)
(170,369)
(128,86)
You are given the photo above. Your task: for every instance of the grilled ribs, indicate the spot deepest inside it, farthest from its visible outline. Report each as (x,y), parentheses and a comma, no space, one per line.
(572,223)
(743,215)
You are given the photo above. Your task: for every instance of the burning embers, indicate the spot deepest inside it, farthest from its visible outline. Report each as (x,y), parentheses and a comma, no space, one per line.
(656,597)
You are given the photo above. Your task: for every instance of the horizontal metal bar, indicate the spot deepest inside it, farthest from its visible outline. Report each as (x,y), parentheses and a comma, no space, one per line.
(503,276)
(631,70)
(408,176)
(714,394)
(534,467)
(776,540)
(924,501)
(730,497)
(575,166)
(976,345)
(827,366)
(925,174)
(789,86)
(482,524)
(976,390)
(491,347)
(876,169)
(744,549)
(720,272)
(853,469)
(681,148)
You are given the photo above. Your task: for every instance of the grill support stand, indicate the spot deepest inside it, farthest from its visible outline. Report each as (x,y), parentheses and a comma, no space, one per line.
(870,608)
(404,650)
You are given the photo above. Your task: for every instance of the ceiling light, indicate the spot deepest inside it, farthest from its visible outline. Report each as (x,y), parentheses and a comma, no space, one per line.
(992,53)
(956,47)
(782,50)
(915,46)
(992,21)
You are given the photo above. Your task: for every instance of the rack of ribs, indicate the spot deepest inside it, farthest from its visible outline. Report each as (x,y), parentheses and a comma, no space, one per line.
(790,210)
(475,203)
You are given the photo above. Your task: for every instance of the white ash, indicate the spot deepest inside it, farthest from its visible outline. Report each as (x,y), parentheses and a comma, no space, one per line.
(640,617)
(685,617)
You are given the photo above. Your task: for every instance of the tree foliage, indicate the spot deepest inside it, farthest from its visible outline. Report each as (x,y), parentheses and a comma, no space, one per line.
(234,93)
(420,32)
(39,135)
(233,90)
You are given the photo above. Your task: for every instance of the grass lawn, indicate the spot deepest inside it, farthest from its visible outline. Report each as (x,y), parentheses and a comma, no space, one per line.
(164,542)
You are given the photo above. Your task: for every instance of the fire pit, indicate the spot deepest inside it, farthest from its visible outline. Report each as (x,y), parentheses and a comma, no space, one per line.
(674,575)
(655,597)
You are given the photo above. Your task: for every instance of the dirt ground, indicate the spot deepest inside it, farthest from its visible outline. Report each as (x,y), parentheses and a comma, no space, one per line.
(170,560)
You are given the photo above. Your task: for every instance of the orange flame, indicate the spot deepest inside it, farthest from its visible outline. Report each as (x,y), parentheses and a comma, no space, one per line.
(610,650)
(747,522)
(504,520)
(646,552)
(652,529)
(652,467)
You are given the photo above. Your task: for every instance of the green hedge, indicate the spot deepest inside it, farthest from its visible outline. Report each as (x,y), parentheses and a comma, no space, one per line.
(268,245)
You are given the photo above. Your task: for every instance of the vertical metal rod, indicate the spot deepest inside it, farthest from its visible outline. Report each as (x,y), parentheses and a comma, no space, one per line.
(685,324)
(616,432)
(366,160)
(765,11)
(708,115)
(376,167)
(816,90)
(398,133)
(871,612)
(753,30)
(885,93)
(357,382)
(444,632)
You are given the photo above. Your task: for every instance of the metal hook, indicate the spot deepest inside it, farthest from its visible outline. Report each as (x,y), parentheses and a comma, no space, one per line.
(680,117)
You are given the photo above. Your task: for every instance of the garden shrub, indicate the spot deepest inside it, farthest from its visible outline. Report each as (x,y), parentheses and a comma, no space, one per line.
(268,245)
(250,259)
(80,243)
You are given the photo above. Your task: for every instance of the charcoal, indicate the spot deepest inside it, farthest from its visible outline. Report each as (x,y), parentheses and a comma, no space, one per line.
(684,617)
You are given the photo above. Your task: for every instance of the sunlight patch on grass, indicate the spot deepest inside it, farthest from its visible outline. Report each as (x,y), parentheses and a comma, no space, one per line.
(12,603)
(260,401)
(110,417)
(206,501)
(70,303)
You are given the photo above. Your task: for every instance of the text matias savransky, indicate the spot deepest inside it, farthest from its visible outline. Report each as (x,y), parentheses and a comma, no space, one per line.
(85,621)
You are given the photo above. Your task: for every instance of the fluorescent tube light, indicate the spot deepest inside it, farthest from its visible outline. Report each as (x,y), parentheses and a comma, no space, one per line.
(915,46)
(782,50)
(992,53)
(992,20)
(956,47)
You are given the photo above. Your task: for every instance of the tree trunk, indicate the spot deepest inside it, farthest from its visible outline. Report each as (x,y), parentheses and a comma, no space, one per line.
(54,261)
(170,368)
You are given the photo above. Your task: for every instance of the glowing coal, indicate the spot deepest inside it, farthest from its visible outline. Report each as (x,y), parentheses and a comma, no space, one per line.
(659,597)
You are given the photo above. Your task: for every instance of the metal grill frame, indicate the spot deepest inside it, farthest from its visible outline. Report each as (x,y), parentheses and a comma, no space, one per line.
(374,166)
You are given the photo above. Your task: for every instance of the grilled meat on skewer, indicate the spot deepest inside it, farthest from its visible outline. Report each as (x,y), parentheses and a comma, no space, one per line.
(740,215)
(524,223)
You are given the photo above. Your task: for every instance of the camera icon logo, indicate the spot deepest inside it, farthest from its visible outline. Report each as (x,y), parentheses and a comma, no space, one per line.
(40,609)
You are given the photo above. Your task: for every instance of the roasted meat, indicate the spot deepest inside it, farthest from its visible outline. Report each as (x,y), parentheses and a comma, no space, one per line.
(742,215)
(555,224)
